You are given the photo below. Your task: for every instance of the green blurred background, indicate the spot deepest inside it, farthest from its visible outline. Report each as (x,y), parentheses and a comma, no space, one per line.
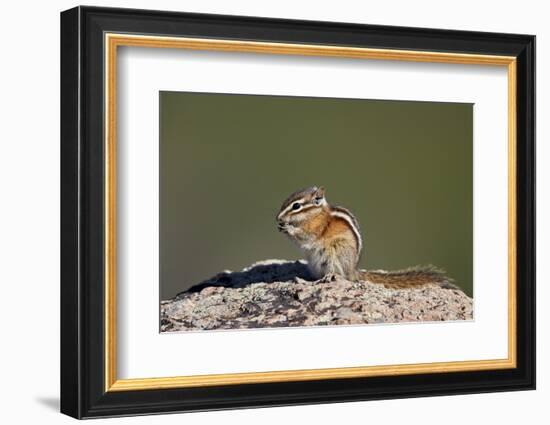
(227,162)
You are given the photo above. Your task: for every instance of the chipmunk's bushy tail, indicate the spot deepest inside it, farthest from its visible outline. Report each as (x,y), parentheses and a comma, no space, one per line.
(412,277)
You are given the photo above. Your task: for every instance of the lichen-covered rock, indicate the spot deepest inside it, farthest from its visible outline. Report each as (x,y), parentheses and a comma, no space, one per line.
(277,293)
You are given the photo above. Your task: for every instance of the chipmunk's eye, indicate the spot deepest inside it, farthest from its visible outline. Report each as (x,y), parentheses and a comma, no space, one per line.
(296,206)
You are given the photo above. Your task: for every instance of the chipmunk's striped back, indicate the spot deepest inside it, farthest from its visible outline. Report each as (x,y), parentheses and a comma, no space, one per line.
(343,213)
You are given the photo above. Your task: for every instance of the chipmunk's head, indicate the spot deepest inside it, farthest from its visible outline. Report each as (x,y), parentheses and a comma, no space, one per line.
(300,207)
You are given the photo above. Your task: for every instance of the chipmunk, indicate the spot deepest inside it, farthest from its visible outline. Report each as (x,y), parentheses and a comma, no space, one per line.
(332,243)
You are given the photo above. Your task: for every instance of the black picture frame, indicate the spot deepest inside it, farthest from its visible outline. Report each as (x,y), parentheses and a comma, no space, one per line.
(83,392)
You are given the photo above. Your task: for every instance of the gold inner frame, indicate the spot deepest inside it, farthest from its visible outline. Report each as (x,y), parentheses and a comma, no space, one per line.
(113,41)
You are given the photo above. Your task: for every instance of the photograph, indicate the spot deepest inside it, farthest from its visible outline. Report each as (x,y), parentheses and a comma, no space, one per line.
(288,211)
(263,211)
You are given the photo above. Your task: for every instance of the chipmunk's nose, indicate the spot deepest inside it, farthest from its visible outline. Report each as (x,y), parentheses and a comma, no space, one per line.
(280,225)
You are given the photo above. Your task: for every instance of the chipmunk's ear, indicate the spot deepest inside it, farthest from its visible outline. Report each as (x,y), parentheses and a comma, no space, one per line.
(320,193)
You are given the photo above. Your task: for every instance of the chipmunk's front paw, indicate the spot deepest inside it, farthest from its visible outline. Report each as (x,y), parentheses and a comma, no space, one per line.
(287,228)
(282,226)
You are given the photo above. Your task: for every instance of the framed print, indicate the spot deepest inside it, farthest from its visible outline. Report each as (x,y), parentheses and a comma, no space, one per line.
(261,212)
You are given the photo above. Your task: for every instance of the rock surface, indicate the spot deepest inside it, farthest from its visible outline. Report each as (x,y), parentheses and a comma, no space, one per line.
(277,293)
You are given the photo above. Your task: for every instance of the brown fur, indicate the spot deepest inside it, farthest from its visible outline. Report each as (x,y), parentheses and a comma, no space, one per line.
(412,277)
(318,224)
(339,228)
(333,247)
